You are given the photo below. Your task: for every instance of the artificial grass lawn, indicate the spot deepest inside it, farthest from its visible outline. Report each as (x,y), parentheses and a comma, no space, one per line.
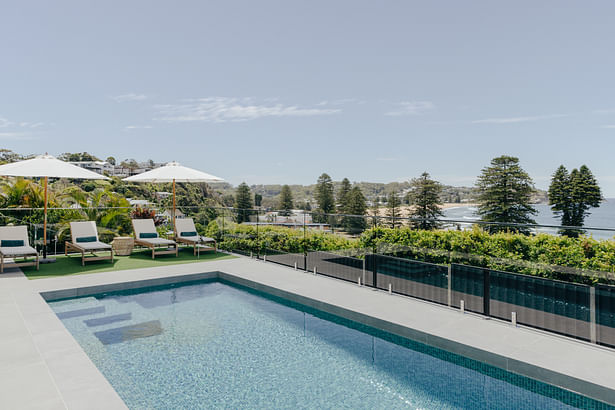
(71,265)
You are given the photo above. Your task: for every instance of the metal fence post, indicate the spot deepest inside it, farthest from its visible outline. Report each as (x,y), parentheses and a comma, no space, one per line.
(486,295)
(364,270)
(305,265)
(592,314)
(450,281)
(223,217)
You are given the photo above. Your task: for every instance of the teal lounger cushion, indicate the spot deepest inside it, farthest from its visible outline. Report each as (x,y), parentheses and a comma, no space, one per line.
(86,239)
(191,233)
(147,235)
(11,243)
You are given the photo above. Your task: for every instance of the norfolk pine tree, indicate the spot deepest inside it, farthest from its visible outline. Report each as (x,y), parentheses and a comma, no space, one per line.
(393,211)
(505,191)
(572,195)
(324,197)
(424,195)
(243,203)
(286,201)
(342,196)
(356,205)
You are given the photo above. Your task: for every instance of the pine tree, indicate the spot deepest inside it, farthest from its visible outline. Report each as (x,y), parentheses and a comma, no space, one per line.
(393,211)
(342,196)
(560,196)
(258,200)
(243,203)
(572,195)
(286,201)
(355,205)
(505,191)
(424,195)
(324,197)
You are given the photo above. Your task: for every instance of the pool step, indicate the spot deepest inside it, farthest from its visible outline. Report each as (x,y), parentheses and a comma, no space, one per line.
(131,332)
(81,312)
(106,320)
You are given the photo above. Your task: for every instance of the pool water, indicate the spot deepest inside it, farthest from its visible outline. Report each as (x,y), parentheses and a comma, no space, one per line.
(212,345)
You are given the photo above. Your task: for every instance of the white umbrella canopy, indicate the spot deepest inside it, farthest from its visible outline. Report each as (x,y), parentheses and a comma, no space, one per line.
(47,166)
(173,172)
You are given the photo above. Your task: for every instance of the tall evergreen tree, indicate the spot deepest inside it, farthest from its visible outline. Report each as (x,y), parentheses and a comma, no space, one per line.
(355,205)
(324,198)
(393,210)
(560,196)
(424,195)
(258,200)
(286,201)
(572,195)
(243,203)
(342,196)
(505,191)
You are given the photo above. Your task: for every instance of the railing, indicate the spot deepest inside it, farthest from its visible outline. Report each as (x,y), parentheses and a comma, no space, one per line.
(328,245)
(573,309)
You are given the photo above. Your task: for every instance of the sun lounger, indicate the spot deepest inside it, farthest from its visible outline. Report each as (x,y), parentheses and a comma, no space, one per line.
(84,239)
(187,234)
(146,235)
(14,244)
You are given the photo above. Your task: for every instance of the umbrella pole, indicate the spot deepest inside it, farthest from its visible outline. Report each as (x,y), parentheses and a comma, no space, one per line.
(45,222)
(173,214)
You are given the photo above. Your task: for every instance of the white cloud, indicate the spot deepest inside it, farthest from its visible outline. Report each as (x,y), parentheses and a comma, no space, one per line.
(4,123)
(608,126)
(512,120)
(412,108)
(386,159)
(14,135)
(224,109)
(129,97)
(605,111)
(137,127)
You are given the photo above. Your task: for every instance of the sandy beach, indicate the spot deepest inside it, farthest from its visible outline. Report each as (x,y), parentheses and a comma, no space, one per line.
(404,210)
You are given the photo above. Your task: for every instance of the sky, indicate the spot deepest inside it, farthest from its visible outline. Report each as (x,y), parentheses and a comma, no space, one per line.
(282,91)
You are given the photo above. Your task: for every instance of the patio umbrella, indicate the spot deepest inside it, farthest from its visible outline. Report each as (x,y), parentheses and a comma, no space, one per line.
(173,172)
(47,166)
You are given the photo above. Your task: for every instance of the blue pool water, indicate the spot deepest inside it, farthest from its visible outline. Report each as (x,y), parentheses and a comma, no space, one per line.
(212,345)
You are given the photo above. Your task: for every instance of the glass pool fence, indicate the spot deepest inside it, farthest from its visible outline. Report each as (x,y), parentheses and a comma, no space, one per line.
(518,286)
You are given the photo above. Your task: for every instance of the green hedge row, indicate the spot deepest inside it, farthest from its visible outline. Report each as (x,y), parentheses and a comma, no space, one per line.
(584,260)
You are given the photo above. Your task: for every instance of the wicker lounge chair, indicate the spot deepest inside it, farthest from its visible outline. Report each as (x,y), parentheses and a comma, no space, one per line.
(14,244)
(187,234)
(84,239)
(146,235)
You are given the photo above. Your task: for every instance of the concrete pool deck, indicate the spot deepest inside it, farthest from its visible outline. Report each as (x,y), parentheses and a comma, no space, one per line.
(42,366)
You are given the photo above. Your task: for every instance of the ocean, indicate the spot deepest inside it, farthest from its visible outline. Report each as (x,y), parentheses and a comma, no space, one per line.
(602,217)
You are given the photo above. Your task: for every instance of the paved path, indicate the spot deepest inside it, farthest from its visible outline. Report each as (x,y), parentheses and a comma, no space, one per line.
(42,366)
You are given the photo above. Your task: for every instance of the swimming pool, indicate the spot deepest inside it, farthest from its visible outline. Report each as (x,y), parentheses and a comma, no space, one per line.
(213,345)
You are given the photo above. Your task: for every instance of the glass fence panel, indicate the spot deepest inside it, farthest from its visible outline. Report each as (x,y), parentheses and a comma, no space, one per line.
(337,266)
(411,278)
(543,303)
(283,258)
(605,315)
(468,284)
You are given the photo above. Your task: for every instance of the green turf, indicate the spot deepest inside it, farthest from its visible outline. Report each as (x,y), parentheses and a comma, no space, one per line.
(64,266)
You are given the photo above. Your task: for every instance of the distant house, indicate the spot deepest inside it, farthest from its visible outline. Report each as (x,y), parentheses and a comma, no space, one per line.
(138,202)
(95,166)
(167,214)
(162,195)
(103,167)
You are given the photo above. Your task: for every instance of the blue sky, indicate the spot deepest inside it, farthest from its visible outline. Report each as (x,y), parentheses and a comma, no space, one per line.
(281,91)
